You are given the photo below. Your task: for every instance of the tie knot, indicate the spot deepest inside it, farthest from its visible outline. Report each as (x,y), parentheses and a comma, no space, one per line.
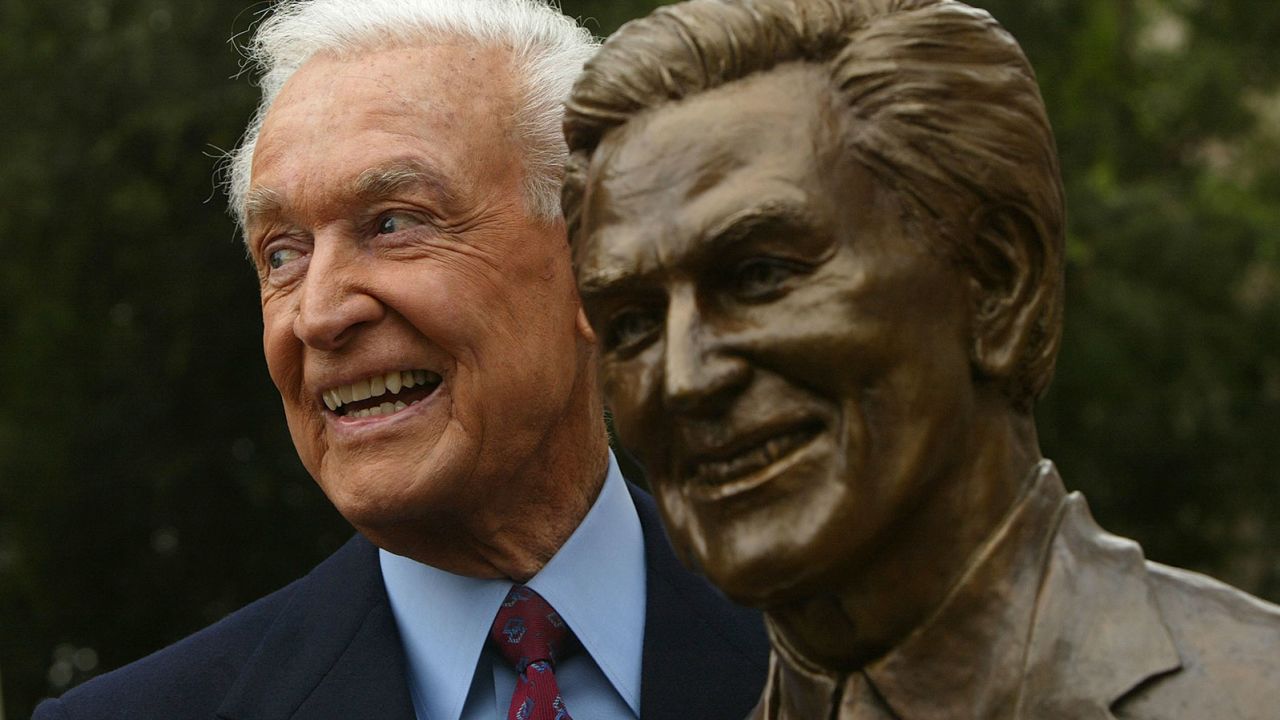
(528,630)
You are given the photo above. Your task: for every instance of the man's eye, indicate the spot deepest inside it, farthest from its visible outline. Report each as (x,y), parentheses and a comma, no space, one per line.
(396,222)
(630,329)
(280,258)
(762,278)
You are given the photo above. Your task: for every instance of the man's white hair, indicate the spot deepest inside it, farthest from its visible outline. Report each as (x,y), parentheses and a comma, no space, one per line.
(546,47)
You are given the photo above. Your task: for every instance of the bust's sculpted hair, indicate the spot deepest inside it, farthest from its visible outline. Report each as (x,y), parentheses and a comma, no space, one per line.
(940,104)
(547,52)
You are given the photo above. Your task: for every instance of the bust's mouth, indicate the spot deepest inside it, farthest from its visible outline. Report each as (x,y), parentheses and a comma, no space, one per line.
(747,460)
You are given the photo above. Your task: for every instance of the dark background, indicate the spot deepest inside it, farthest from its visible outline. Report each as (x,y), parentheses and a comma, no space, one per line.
(147,482)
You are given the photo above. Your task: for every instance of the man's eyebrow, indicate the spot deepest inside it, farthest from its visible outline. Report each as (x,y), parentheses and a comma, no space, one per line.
(377,183)
(261,203)
(397,176)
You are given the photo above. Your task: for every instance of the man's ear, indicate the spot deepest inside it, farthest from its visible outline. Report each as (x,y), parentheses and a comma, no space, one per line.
(584,326)
(1011,263)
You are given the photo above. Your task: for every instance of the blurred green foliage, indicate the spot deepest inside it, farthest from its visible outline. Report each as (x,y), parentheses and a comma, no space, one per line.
(148,485)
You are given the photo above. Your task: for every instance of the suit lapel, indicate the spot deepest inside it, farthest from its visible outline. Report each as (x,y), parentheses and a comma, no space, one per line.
(333,653)
(1098,633)
(694,638)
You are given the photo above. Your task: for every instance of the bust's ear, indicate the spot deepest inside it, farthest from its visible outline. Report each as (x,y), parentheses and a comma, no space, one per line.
(1012,265)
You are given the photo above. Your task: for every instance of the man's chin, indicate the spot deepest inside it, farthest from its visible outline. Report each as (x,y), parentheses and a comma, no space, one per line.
(375,504)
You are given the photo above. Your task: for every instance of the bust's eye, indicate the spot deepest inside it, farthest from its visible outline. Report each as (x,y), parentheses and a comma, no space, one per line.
(279,258)
(631,328)
(762,278)
(394,222)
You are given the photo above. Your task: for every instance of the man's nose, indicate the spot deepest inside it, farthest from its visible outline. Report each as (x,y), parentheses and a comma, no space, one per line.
(701,372)
(335,297)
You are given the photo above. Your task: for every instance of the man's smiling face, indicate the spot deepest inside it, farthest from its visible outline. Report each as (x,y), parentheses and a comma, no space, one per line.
(419,323)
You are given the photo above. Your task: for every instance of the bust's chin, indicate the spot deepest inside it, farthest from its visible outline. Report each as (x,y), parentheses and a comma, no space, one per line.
(761,575)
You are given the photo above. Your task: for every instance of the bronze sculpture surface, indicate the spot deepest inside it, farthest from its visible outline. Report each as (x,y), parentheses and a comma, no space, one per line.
(821,244)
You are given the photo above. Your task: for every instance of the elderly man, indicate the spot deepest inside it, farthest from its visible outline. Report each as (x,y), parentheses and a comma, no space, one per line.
(399,192)
(821,243)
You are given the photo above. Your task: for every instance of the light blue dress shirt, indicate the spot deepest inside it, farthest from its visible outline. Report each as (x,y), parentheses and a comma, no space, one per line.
(596,582)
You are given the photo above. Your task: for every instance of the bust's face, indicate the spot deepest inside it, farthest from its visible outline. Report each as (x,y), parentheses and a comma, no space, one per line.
(786,358)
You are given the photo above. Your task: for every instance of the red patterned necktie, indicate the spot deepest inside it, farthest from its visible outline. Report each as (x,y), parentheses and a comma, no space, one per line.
(529,633)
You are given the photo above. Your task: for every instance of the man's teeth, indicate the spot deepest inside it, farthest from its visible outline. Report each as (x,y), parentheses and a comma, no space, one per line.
(383,409)
(377,386)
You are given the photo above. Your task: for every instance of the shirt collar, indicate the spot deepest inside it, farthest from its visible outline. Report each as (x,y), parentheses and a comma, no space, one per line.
(596,582)
(935,671)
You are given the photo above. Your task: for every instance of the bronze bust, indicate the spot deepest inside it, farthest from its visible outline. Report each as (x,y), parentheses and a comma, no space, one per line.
(821,245)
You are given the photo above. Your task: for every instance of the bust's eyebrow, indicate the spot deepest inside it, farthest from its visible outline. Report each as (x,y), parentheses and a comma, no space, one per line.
(597,282)
(600,279)
(739,226)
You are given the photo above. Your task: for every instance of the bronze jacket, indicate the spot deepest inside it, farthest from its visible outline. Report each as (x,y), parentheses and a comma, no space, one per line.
(1057,619)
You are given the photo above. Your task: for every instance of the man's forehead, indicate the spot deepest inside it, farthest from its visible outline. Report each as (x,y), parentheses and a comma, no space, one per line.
(396,67)
(355,122)
(436,87)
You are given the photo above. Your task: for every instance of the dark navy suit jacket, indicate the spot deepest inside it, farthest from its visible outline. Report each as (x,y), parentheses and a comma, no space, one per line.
(327,647)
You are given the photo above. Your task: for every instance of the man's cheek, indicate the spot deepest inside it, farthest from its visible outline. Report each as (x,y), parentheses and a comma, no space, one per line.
(307,433)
